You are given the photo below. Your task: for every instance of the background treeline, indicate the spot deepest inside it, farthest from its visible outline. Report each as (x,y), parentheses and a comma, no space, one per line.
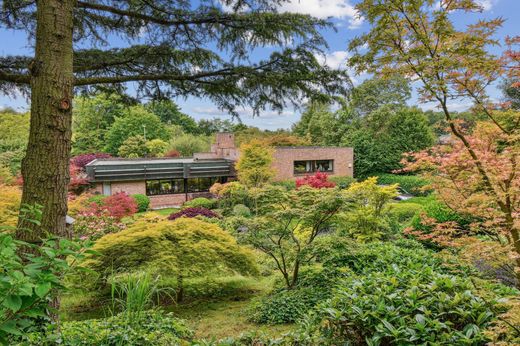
(375,120)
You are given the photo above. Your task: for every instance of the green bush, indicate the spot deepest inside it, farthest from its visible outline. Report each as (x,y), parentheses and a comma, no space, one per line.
(241,210)
(286,306)
(98,199)
(200,202)
(441,213)
(409,183)
(155,328)
(403,212)
(402,307)
(342,182)
(287,184)
(143,202)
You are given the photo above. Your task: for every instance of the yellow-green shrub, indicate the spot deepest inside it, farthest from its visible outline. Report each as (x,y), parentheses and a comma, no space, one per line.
(185,248)
(10,197)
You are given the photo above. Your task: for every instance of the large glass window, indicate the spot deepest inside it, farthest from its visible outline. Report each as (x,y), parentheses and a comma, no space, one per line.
(164,187)
(201,184)
(311,166)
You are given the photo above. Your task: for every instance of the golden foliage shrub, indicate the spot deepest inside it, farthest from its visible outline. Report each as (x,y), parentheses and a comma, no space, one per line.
(10,197)
(186,246)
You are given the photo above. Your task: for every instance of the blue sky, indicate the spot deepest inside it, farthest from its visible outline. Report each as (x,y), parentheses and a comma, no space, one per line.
(347,24)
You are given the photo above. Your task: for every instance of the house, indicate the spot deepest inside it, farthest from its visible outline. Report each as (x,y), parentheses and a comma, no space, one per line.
(172,181)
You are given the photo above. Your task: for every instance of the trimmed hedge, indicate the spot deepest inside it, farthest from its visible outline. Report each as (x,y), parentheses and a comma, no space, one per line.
(200,202)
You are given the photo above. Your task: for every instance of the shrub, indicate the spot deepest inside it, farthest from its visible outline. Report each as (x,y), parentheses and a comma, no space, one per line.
(78,204)
(317,181)
(287,184)
(200,202)
(143,202)
(401,306)
(342,182)
(10,197)
(241,211)
(193,212)
(409,183)
(156,328)
(94,226)
(117,205)
(403,212)
(185,248)
(172,153)
(82,160)
(6,176)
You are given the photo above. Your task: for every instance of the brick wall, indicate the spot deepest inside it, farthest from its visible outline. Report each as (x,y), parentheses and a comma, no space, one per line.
(284,157)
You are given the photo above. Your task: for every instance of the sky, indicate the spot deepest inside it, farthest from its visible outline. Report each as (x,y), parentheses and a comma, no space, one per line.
(348,25)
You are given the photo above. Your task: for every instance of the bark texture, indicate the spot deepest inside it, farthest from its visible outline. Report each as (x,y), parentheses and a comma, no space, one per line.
(45,168)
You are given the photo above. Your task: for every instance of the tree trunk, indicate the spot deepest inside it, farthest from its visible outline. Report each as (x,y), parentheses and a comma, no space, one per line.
(45,168)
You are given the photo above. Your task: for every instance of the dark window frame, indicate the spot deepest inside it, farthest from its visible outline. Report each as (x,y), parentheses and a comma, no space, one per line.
(169,192)
(313,166)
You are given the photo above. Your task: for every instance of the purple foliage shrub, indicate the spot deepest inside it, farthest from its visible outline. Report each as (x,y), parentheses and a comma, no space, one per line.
(81,161)
(192,212)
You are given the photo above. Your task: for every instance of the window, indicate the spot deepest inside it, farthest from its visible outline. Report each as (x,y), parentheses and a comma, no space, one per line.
(164,187)
(201,184)
(311,166)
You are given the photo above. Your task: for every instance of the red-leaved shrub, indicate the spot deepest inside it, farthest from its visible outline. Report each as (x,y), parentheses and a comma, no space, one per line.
(118,205)
(317,181)
(192,212)
(81,161)
(78,180)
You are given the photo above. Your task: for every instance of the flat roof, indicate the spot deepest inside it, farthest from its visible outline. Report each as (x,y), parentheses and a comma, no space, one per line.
(144,161)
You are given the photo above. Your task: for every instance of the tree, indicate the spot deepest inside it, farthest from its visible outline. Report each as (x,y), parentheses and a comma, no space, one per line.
(170,113)
(173,48)
(91,120)
(209,127)
(188,144)
(156,147)
(417,39)
(286,224)
(14,132)
(254,165)
(377,92)
(135,121)
(133,147)
(511,91)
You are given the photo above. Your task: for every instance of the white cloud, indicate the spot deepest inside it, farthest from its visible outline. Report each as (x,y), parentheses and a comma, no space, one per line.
(340,9)
(336,60)
(487,4)
(244,113)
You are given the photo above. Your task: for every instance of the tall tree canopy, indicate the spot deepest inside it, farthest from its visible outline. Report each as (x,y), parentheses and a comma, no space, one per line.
(173,48)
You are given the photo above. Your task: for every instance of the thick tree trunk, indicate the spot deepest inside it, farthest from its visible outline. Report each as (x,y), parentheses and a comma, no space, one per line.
(45,168)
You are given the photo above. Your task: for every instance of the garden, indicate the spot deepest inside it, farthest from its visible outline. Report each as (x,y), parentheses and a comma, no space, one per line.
(420,247)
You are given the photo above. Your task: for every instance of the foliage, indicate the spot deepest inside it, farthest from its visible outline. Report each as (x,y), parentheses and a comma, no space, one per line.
(381,138)
(117,205)
(254,165)
(14,131)
(187,144)
(82,160)
(369,194)
(403,212)
(200,202)
(9,205)
(241,210)
(156,147)
(135,121)
(93,226)
(79,181)
(92,117)
(156,328)
(289,184)
(402,306)
(342,182)
(286,224)
(193,212)
(172,153)
(208,127)
(412,184)
(319,180)
(376,92)
(184,248)
(6,177)
(169,113)
(454,64)
(143,202)
(133,147)
(29,282)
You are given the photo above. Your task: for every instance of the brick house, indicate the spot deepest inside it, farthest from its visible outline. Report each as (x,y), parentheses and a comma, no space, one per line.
(172,181)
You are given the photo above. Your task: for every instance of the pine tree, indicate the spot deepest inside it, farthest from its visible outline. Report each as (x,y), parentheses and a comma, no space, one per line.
(173,48)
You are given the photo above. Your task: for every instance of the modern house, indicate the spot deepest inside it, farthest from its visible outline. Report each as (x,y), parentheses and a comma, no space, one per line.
(172,181)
